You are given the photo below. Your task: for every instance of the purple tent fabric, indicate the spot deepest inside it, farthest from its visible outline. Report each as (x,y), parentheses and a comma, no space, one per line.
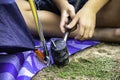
(14,35)
(24,65)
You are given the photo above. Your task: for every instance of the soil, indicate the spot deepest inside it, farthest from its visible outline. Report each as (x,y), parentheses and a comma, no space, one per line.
(102,50)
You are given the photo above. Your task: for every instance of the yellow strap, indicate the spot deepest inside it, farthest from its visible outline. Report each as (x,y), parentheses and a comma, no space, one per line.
(34,11)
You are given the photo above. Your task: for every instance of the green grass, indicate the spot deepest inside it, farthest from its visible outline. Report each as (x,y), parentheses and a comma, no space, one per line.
(102,68)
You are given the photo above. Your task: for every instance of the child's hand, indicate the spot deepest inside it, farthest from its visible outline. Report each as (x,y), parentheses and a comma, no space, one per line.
(67,10)
(86,20)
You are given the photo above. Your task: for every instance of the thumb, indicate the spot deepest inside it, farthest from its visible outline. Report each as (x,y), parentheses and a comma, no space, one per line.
(72,12)
(72,24)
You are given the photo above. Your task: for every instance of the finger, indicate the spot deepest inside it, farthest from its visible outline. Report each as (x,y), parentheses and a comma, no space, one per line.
(86,32)
(81,31)
(91,33)
(63,21)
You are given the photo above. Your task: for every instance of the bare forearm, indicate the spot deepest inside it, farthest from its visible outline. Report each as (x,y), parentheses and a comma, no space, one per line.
(95,5)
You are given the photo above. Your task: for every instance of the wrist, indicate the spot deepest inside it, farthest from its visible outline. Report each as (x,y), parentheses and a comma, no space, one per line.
(94,6)
(60,3)
(88,10)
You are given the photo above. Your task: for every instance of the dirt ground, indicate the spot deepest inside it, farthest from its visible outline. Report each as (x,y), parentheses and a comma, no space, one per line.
(101,50)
